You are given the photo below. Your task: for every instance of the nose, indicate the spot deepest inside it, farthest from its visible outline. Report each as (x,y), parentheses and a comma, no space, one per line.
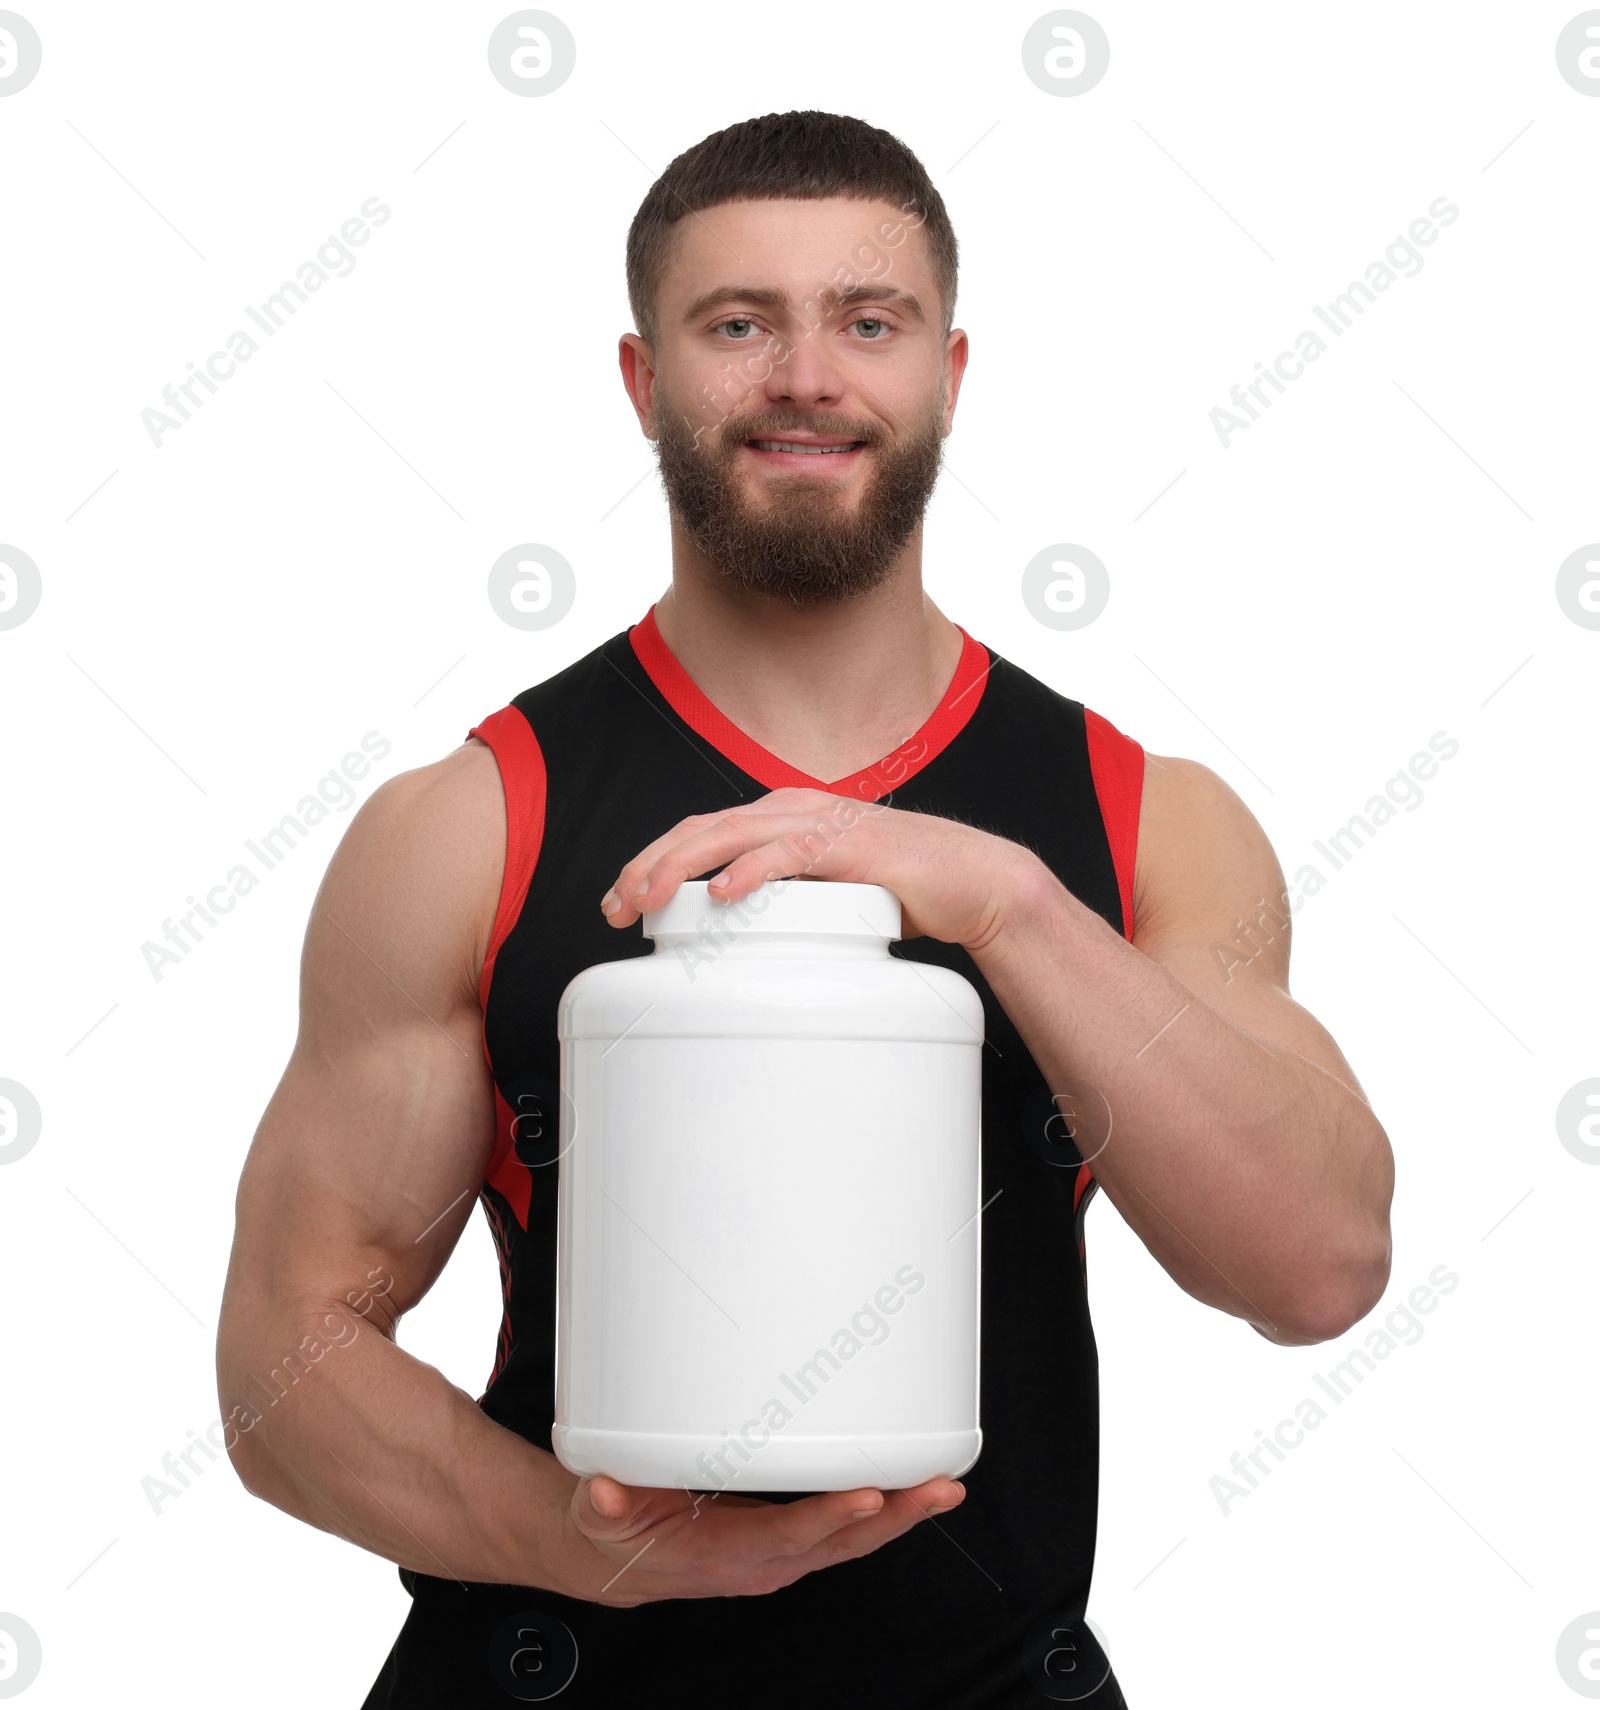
(806,374)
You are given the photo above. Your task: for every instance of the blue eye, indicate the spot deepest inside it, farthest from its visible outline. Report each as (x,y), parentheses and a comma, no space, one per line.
(883,327)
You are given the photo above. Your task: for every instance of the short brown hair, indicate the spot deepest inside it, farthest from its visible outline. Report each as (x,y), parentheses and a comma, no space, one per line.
(801,155)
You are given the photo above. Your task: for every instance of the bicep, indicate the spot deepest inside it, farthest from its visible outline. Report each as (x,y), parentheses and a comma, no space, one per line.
(369,1155)
(1212,907)
(366,1161)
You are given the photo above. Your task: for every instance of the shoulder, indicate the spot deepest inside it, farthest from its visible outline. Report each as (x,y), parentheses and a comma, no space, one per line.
(416,878)
(1199,846)
(421,808)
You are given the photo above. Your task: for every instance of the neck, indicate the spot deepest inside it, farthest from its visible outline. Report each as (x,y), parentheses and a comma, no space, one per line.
(829,688)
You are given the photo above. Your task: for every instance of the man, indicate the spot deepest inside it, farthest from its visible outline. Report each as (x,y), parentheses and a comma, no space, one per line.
(793,704)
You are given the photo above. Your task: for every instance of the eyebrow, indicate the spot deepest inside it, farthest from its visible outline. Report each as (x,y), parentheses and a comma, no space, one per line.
(774,297)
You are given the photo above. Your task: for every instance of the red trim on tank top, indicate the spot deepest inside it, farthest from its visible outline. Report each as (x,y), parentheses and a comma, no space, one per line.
(686,698)
(1083,1191)
(1116,763)
(1081,1183)
(522,779)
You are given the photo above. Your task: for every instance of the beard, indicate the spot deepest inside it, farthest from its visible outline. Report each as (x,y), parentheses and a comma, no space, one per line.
(805,543)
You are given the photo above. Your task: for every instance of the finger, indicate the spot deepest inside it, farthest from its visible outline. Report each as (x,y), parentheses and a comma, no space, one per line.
(901,1511)
(632,874)
(652,876)
(607,1498)
(604,1508)
(803,839)
(794,1528)
(627,880)
(933,1496)
(787,856)
(810,846)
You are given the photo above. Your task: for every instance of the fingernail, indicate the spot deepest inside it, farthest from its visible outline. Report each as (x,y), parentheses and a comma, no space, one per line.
(722,877)
(643,887)
(610,903)
(864,1513)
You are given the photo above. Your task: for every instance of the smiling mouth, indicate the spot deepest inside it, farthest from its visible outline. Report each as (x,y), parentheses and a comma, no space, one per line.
(793,448)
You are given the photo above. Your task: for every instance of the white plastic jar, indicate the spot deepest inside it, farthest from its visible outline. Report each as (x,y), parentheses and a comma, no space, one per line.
(768,1230)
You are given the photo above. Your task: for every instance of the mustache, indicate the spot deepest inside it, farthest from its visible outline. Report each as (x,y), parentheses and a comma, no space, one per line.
(768,427)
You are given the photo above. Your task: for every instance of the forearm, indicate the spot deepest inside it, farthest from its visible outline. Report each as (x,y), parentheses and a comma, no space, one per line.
(1256,1178)
(378,1447)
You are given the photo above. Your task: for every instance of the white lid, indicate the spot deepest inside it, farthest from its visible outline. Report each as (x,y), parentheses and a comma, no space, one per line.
(796,905)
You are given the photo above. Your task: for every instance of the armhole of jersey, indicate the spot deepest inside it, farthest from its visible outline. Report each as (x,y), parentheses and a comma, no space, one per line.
(509,737)
(516,750)
(1116,763)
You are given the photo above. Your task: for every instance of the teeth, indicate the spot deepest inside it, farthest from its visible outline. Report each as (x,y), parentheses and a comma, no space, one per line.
(791,447)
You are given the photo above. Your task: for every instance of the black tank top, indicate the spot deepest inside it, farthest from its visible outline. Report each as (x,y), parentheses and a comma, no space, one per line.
(984,1606)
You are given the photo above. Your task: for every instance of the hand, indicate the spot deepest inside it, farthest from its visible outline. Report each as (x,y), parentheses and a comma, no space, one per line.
(955,883)
(632,1544)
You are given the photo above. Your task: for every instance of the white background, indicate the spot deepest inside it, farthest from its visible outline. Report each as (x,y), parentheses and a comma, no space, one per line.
(1373,561)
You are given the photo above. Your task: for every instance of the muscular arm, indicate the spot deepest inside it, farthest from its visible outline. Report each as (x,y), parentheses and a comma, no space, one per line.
(1217,1112)
(362,1174)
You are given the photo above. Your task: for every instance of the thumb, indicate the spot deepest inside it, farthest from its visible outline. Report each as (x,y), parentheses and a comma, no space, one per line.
(601,1506)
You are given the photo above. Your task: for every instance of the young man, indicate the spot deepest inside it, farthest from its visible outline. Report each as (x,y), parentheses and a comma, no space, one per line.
(793,703)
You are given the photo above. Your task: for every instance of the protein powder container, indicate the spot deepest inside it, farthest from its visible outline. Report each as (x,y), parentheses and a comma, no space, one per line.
(768,1230)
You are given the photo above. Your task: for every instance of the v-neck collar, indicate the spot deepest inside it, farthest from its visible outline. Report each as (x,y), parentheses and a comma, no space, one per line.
(942,726)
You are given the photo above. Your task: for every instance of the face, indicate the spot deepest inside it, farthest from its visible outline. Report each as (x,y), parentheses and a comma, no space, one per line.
(783,328)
